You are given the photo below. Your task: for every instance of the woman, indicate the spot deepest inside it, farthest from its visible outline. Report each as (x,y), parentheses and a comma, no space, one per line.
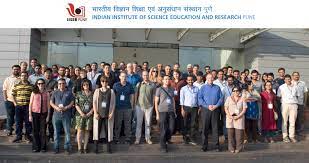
(43,68)
(268,110)
(264,77)
(153,77)
(253,99)
(235,108)
(104,107)
(39,110)
(243,81)
(83,116)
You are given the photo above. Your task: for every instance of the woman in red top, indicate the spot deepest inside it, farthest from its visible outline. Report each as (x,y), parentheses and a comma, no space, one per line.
(268,108)
(39,109)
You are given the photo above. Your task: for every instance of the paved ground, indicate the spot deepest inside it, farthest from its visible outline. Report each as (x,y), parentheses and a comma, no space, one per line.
(178,152)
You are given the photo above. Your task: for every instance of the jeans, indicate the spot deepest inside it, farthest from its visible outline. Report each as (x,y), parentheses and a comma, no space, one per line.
(123,115)
(167,124)
(10,110)
(22,115)
(62,120)
(140,114)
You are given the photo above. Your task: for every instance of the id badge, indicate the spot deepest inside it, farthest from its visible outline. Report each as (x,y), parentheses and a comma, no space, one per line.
(86,107)
(168,101)
(103,104)
(122,97)
(270,106)
(175,93)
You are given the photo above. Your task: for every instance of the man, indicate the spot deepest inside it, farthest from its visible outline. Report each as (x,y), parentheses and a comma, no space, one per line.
(195,71)
(165,112)
(168,71)
(61,75)
(115,71)
(189,71)
(288,94)
(122,66)
(207,69)
(214,74)
(23,66)
(8,86)
(136,69)
(62,101)
(220,81)
(160,70)
(177,83)
(51,85)
(257,85)
(210,99)
(189,108)
(107,73)
(93,76)
(132,78)
(144,97)
(21,93)
(101,67)
(277,83)
(199,80)
(229,71)
(236,74)
(124,105)
(33,63)
(145,66)
(301,100)
(176,67)
(37,74)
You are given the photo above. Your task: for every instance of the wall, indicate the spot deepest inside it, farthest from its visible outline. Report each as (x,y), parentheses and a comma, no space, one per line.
(288,48)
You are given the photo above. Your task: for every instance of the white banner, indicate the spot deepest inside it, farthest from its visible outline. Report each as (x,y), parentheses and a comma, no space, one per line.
(154,14)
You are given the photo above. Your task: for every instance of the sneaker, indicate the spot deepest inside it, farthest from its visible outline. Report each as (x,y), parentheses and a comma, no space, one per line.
(17,140)
(245,141)
(192,142)
(148,141)
(293,140)
(9,133)
(163,150)
(28,138)
(136,142)
(66,152)
(286,140)
(272,140)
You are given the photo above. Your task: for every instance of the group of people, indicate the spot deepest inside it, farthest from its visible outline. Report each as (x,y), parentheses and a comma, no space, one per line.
(110,100)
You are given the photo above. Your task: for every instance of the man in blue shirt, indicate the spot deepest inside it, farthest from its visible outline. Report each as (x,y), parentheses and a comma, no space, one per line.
(124,105)
(210,99)
(188,102)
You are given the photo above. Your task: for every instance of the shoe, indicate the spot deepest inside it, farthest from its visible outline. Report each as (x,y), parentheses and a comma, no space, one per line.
(204,149)
(219,149)
(286,140)
(127,142)
(66,152)
(56,151)
(293,140)
(43,150)
(80,151)
(109,148)
(169,142)
(232,151)
(9,133)
(35,150)
(28,138)
(237,151)
(148,141)
(86,151)
(245,141)
(136,142)
(272,140)
(17,140)
(193,142)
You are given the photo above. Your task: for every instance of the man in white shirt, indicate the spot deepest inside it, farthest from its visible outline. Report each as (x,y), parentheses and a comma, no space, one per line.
(93,75)
(37,74)
(220,81)
(302,99)
(288,94)
(199,80)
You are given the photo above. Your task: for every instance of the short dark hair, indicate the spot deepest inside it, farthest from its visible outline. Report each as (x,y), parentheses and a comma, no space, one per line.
(229,67)
(178,72)
(146,62)
(199,73)
(196,65)
(239,89)
(49,69)
(61,79)
(214,71)
(281,68)
(236,71)
(15,66)
(231,76)
(189,76)
(295,72)
(254,71)
(94,63)
(271,74)
(24,72)
(207,67)
(287,76)
(220,71)
(107,64)
(33,59)
(38,65)
(246,70)
(77,67)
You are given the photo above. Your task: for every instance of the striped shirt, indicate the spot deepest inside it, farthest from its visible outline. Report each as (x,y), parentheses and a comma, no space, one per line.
(22,93)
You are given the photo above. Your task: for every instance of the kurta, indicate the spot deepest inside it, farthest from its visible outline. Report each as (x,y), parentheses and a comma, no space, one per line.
(268,120)
(235,108)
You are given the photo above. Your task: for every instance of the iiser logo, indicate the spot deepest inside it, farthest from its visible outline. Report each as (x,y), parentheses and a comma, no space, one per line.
(76,14)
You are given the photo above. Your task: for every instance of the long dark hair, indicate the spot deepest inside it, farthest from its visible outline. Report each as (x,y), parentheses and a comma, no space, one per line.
(36,89)
(86,81)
